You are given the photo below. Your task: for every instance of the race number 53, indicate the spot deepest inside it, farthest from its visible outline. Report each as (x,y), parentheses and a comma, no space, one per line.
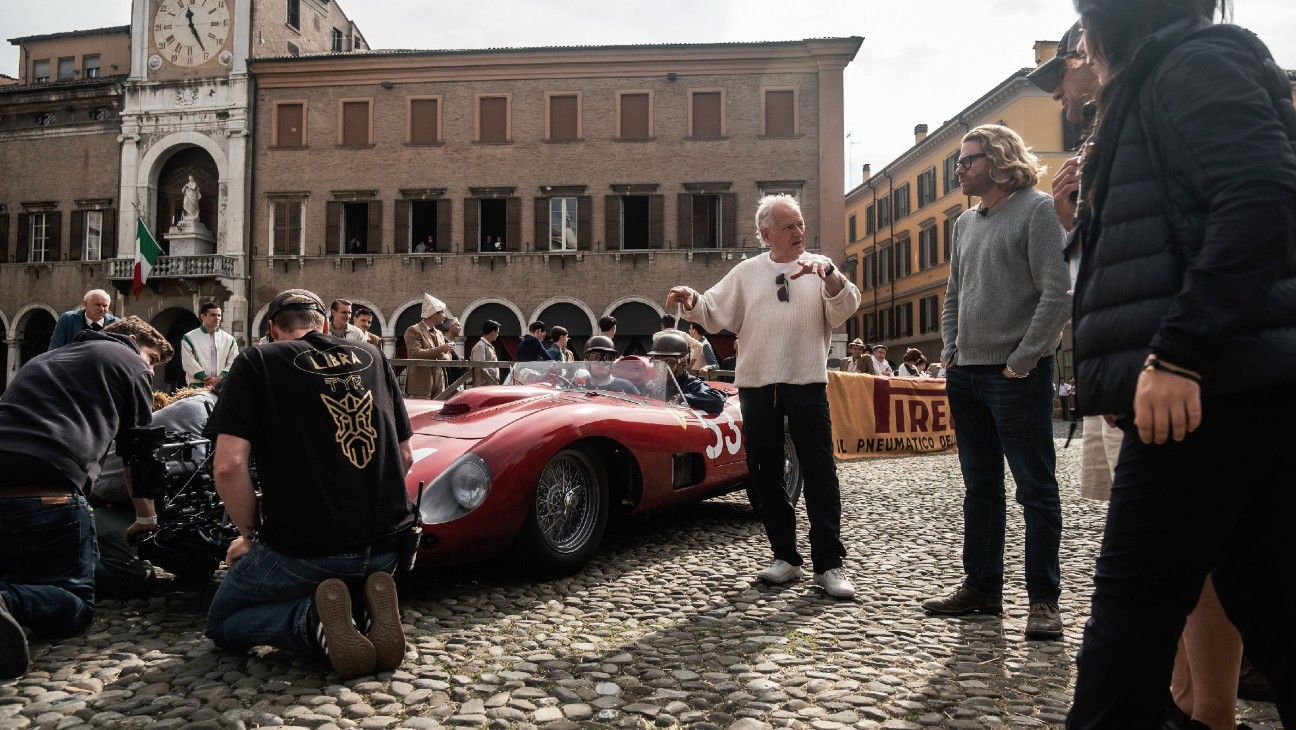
(722,443)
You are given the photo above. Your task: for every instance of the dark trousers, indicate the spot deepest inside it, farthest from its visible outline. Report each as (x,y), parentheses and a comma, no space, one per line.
(808,421)
(1223,500)
(998,418)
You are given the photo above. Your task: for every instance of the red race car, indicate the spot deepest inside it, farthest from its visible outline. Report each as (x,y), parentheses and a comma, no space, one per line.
(538,466)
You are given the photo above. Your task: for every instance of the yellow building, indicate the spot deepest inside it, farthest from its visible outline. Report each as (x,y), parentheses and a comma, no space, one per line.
(900,219)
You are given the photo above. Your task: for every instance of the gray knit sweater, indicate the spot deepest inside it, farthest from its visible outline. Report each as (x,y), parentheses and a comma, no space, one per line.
(1007,297)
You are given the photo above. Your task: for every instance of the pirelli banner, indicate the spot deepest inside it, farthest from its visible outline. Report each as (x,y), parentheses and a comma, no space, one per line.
(873,416)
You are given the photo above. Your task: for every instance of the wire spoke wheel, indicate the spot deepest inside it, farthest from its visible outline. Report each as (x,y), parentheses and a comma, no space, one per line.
(567,502)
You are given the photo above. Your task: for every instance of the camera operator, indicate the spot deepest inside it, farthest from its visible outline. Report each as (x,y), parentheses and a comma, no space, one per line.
(121,573)
(57,418)
(331,436)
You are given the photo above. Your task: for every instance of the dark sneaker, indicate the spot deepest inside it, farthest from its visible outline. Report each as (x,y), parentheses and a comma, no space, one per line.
(350,653)
(14,656)
(385,630)
(963,601)
(1044,621)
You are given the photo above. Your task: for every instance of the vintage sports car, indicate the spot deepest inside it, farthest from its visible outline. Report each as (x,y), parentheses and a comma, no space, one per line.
(537,466)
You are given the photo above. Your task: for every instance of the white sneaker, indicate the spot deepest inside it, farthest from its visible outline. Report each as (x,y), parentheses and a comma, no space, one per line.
(835,583)
(780,571)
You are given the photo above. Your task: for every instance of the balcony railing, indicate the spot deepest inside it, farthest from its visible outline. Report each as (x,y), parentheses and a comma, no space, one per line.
(177,267)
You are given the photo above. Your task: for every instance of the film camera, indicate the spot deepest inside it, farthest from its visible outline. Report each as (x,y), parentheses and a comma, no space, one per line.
(174,469)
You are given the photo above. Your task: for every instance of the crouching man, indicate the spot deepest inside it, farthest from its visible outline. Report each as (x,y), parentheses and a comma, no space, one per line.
(324,418)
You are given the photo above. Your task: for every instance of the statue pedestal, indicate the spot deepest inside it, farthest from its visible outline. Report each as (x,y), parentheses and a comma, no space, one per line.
(191,238)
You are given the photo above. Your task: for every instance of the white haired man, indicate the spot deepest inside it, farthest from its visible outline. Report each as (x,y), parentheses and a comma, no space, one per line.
(792,317)
(93,315)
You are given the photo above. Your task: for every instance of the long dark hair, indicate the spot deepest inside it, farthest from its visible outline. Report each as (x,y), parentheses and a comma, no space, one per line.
(1114,30)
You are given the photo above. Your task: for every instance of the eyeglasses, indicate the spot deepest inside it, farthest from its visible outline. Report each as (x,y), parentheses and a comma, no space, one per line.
(781,280)
(965,162)
(594,356)
(668,359)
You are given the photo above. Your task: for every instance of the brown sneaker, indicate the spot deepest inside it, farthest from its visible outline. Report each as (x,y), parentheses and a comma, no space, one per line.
(963,601)
(1044,621)
(350,653)
(385,630)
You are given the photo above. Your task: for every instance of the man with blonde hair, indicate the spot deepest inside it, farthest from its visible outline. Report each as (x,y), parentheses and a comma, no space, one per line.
(1005,306)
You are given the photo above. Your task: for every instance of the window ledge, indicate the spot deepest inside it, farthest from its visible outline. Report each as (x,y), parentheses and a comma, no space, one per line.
(493,142)
(368,146)
(577,140)
(438,143)
(780,136)
(634,139)
(294,148)
(721,138)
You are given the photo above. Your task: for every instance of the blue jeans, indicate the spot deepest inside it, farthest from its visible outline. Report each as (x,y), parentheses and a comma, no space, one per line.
(810,423)
(47,561)
(265,598)
(998,418)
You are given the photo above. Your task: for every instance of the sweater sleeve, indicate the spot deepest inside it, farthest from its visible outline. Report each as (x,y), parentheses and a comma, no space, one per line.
(949,315)
(1052,279)
(841,306)
(721,307)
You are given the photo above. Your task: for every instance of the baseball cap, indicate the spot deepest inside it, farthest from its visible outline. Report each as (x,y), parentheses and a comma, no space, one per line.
(294,299)
(1047,75)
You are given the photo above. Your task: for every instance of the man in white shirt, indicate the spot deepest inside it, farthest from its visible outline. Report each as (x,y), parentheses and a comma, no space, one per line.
(207,352)
(792,317)
(878,362)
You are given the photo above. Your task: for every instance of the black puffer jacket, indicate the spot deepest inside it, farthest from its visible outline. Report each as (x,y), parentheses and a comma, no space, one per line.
(1193,257)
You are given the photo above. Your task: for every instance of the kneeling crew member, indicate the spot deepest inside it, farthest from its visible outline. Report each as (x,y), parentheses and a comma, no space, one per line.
(326,421)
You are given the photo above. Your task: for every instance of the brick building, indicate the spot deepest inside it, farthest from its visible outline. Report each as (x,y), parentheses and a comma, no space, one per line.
(605,175)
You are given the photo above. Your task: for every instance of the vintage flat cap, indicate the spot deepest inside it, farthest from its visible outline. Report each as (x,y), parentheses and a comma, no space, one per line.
(1047,75)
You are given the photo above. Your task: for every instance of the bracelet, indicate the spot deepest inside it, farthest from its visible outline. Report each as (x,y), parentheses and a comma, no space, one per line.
(150,520)
(832,269)
(1154,364)
(1013,373)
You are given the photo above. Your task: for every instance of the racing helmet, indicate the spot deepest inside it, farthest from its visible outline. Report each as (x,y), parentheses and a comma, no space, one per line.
(670,344)
(599,343)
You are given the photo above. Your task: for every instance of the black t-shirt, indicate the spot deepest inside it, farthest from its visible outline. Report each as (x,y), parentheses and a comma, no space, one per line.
(325,419)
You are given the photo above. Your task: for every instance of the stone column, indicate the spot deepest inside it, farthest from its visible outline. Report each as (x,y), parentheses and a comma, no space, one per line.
(15,357)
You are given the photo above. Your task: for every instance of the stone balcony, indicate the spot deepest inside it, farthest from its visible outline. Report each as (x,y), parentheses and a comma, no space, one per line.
(178,267)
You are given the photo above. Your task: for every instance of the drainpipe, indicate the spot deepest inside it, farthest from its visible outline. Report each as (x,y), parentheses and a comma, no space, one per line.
(891,233)
(873,249)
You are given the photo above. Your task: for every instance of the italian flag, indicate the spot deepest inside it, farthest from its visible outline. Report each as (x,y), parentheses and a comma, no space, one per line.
(146,254)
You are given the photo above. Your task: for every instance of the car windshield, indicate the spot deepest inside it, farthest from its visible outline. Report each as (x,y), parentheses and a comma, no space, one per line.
(629,376)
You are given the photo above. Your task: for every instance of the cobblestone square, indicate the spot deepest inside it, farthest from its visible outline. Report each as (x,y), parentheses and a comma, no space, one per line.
(666,628)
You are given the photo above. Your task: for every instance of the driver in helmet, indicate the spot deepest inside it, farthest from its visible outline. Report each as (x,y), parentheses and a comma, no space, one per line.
(600,353)
(673,349)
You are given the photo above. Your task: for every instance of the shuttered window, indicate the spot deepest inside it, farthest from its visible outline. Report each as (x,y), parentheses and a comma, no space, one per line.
(289,126)
(780,113)
(564,118)
(493,118)
(423,121)
(634,116)
(355,123)
(706,114)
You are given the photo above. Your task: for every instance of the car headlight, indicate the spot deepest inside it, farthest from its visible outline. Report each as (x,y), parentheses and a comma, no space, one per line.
(460,489)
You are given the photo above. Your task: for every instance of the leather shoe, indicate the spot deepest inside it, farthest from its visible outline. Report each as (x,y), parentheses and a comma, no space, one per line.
(963,601)
(780,572)
(1044,621)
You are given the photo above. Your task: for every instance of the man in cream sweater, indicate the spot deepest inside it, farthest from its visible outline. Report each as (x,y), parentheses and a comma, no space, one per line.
(785,375)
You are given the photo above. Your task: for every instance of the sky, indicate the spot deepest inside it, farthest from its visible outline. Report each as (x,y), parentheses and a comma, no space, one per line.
(922,61)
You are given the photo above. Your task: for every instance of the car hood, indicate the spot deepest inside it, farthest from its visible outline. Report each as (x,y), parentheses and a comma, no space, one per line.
(479,412)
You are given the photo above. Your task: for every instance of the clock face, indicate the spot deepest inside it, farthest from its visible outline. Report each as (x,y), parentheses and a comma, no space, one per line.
(190,32)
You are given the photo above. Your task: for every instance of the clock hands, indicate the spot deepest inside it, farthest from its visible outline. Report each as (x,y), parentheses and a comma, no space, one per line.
(192,29)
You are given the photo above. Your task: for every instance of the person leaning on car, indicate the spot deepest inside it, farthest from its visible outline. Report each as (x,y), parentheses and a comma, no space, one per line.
(332,441)
(783,374)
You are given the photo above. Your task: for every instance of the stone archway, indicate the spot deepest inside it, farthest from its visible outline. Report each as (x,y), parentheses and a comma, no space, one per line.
(172,176)
(173,323)
(33,329)
(637,320)
(504,312)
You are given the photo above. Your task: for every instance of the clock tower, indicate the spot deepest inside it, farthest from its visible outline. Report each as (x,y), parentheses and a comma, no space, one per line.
(187,116)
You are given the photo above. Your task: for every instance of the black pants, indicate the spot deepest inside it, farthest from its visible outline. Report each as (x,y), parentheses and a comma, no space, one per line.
(1222,499)
(810,424)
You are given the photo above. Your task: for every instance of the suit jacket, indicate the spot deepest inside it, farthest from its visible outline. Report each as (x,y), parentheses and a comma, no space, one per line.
(419,343)
(70,325)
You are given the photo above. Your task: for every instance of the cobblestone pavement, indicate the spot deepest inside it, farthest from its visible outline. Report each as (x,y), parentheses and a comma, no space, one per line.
(666,628)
